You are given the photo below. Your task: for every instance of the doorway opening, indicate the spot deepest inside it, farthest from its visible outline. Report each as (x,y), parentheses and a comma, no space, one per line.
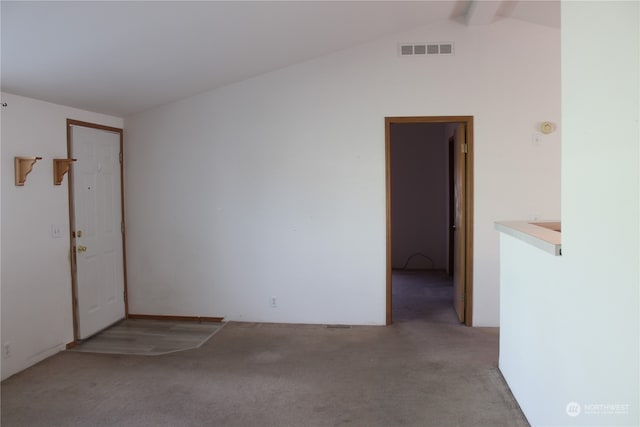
(429,198)
(96,219)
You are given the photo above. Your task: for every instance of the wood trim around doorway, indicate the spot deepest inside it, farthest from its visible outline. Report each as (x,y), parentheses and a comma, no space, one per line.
(74,279)
(468,122)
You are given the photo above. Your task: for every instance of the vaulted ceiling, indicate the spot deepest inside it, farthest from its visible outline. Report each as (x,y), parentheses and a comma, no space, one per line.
(120,58)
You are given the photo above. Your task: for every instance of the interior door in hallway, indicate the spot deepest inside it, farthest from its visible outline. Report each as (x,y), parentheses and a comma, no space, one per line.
(459,230)
(97,220)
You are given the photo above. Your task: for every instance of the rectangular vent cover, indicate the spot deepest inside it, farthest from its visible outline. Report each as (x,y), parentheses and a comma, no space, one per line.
(425,49)
(406,49)
(419,49)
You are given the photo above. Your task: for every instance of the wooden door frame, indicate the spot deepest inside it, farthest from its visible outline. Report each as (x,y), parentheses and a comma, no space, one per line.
(468,185)
(72,258)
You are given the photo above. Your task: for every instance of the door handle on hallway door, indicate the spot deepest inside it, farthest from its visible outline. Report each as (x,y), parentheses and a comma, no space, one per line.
(82,248)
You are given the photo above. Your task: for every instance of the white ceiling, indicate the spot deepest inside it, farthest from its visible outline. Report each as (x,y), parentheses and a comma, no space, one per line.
(121,58)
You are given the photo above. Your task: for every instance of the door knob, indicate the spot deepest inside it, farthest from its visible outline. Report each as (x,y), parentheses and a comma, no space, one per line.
(82,248)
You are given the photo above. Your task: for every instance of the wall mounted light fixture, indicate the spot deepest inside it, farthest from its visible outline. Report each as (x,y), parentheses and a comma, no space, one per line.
(546,127)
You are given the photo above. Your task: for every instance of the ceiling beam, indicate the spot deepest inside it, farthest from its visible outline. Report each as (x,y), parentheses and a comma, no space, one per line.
(482,12)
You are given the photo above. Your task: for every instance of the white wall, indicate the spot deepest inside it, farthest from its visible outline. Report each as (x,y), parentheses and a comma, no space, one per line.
(532,355)
(275,186)
(419,196)
(600,197)
(580,340)
(35,277)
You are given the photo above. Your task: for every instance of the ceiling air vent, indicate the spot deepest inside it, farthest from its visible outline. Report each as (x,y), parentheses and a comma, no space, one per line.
(406,49)
(425,49)
(446,49)
(433,49)
(419,49)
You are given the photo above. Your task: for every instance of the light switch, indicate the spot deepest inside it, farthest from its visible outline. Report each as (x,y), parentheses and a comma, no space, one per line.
(55,231)
(536,137)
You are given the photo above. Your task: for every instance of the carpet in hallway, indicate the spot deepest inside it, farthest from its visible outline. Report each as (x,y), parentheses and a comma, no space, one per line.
(425,295)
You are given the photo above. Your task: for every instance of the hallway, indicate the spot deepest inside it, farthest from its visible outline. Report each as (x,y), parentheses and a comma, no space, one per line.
(423,295)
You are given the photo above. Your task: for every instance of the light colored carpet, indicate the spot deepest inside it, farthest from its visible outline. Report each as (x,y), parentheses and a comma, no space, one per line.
(149,337)
(423,371)
(425,295)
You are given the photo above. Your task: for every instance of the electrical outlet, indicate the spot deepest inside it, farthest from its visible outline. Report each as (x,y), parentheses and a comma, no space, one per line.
(55,231)
(274,302)
(6,350)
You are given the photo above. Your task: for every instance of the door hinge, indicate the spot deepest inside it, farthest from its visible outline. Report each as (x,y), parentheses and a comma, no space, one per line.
(465,148)
(120,157)
(122,227)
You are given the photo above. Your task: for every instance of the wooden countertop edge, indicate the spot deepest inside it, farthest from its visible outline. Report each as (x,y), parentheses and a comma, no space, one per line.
(540,237)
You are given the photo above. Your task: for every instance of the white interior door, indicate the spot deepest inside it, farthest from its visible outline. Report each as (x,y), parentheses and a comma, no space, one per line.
(98,229)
